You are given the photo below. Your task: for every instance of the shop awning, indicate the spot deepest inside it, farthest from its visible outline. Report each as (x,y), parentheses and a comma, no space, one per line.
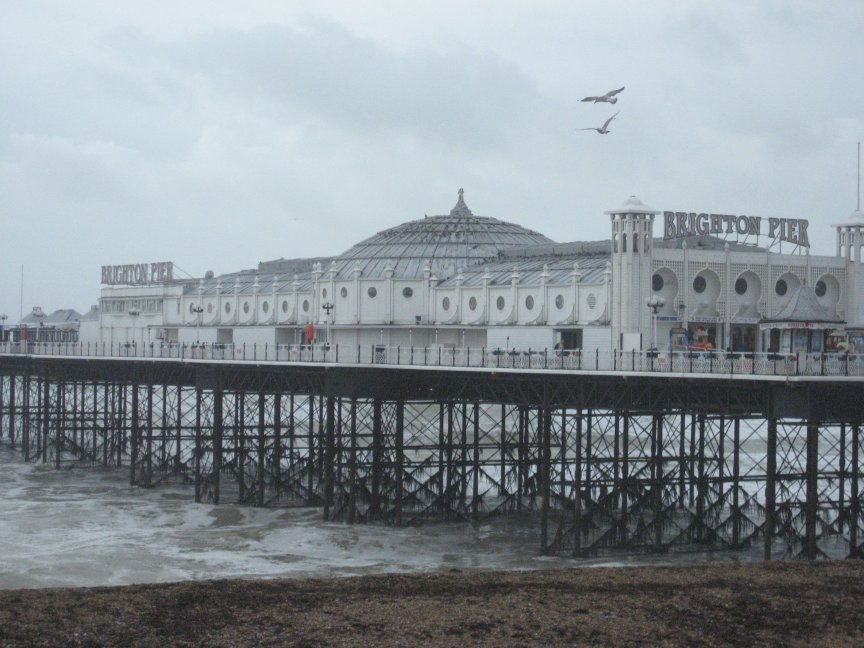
(803,311)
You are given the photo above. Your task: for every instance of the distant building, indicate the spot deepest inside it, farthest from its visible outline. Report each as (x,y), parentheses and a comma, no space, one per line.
(462,280)
(60,326)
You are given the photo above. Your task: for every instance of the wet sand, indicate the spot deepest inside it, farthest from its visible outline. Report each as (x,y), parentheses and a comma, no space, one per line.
(722,604)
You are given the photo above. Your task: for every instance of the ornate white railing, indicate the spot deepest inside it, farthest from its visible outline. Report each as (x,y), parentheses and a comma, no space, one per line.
(775,364)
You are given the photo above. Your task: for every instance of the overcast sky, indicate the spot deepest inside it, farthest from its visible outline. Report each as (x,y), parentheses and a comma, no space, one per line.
(220,134)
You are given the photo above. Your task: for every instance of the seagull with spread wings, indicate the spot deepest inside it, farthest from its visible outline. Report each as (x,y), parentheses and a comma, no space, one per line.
(603,129)
(609,97)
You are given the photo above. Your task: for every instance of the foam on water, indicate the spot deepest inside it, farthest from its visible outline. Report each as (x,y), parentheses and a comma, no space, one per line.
(80,527)
(84,527)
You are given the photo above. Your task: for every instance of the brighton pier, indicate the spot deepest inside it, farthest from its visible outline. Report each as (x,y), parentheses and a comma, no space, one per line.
(631,458)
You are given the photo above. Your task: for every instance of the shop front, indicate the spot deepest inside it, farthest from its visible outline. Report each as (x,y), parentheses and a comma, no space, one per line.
(704,334)
(743,335)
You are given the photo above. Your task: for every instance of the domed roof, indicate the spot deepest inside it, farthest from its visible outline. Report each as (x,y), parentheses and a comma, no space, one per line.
(444,243)
(633,206)
(856,219)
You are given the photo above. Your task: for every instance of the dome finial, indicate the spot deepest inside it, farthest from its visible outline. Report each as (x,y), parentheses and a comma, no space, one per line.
(461,209)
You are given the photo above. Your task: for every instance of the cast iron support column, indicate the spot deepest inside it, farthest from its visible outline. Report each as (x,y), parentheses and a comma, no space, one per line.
(3,383)
(463,458)
(475,500)
(682,461)
(239,445)
(841,504)
(11,410)
(658,482)
(770,479)
(277,443)
(375,505)
(136,431)
(448,462)
(262,449)
(198,449)
(442,483)
(400,458)
(854,500)
(60,420)
(701,489)
(310,441)
(218,430)
(46,415)
(545,471)
(562,477)
(577,487)
(588,483)
(736,483)
(812,510)
(502,485)
(148,478)
(625,478)
(330,423)
(352,468)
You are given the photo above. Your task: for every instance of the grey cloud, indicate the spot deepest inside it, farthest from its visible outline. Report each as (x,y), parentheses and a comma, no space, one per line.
(457,96)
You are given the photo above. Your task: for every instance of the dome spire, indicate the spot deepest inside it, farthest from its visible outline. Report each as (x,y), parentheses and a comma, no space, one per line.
(461,209)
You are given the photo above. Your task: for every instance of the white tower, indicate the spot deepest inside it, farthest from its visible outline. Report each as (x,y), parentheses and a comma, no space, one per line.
(632,253)
(850,246)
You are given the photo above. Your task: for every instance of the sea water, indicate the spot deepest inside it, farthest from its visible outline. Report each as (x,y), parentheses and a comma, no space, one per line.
(84,526)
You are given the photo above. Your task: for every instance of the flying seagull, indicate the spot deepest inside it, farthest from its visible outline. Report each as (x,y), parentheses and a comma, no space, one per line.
(609,97)
(603,129)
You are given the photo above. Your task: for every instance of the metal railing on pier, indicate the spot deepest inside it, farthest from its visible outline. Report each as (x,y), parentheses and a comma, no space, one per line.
(686,362)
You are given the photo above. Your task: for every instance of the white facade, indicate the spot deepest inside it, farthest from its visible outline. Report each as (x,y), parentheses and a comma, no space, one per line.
(520,291)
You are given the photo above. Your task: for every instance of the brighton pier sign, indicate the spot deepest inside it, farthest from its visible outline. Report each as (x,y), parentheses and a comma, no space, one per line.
(682,224)
(137,274)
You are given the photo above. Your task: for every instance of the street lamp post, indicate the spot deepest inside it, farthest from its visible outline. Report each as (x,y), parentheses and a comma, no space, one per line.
(197,309)
(655,303)
(328,307)
(3,318)
(134,313)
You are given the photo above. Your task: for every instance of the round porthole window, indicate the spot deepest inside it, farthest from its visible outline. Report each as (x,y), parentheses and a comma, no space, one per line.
(741,285)
(305,305)
(285,306)
(699,284)
(407,292)
(245,307)
(472,303)
(657,283)
(821,288)
(781,287)
(529,302)
(592,301)
(559,302)
(500,303)
(227,308)
(372,292)
(445,303)
(343,292)
(265,307)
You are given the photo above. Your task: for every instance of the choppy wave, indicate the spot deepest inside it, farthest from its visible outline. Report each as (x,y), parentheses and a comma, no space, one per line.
(86,526)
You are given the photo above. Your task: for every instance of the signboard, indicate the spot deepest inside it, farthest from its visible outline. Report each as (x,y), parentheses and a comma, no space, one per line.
(682,224)
(678,340)
(137,274)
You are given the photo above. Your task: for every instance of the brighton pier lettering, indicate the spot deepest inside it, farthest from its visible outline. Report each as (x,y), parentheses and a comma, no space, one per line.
(137,273)
(681,224)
